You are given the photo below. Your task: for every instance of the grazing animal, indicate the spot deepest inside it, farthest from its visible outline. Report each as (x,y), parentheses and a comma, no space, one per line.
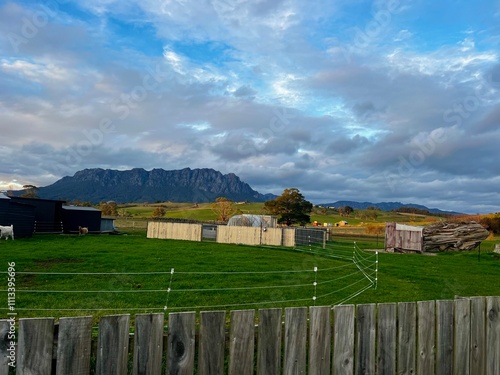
(83,230)
(6,232)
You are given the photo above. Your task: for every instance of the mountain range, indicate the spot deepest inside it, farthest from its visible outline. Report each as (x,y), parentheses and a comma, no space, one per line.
(386,206)
(184,185)
(138,185)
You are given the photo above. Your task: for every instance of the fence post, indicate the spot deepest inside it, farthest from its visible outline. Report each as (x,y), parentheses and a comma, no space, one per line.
(343,339)
(386,344)
(320,340)
(181,343)
(295,340)
(407,329)
(426,336)
(148,344)
(493,336)
(74,345)
(462,337)
(478,336)
(112,345)
(269,342)
(212,343)
(35,345)
(242,342)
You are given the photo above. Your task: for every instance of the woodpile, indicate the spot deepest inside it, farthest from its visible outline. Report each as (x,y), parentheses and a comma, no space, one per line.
(453,236)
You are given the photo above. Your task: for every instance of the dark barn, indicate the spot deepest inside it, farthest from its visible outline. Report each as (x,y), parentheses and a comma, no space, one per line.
(21,215)
(48,213)
(74,217)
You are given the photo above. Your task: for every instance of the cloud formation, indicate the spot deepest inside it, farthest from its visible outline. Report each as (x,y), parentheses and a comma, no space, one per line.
(358,100)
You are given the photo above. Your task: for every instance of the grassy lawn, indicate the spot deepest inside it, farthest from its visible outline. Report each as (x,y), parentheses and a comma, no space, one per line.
(136,275)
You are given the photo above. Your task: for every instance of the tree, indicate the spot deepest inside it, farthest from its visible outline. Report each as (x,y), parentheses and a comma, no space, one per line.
(223,209)
(30,191)
(109,208)
(291,207)
(158,212)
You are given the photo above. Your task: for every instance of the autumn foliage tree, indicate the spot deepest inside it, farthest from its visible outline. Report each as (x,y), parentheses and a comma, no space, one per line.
(158,212)
(223,209)
(291,207)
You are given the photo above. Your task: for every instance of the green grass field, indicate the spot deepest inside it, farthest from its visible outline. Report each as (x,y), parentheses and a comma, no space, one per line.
(100,275)
(204,211)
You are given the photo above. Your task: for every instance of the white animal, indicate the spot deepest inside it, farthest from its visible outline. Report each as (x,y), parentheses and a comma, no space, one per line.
(83,230)
(6,232)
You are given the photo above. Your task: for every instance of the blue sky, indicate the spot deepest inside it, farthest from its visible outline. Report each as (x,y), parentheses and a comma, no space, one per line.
(346,100)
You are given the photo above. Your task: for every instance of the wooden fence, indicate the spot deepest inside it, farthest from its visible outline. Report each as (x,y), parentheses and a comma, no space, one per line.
(425,338)
(230,234)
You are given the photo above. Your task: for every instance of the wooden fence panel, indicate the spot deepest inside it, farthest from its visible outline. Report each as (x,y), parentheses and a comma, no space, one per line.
(181,343)
(212,343)
(294,361)
(320,340)
(426,337)
(74,346)
(493,336)
(343,340)
(445,314)
(35,345)
(272,237)
(478,336)
(365,339)
(407,334)
(461,364)
(242,342)
(386,343)
(269,342)
(288,237)
(112,345)
(148,344)
(4,346)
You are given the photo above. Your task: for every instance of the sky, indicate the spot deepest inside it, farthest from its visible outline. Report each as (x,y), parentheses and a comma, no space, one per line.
(386,100)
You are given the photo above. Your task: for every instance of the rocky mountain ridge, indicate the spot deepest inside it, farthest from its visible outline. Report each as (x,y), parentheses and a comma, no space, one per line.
(139,185)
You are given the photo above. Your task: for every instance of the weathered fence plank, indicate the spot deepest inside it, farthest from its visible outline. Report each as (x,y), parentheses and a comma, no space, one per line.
(35,345)
(269,342)
(112,345)
(386,343)
(148,344)
(365,339)
(294,361)
(493,336)
(212,343)
(74,345)
(181,343)
(426,337)
(4,346)
(444,322)
(478,336)
(461,364)
(242,342)
(320,340)
(407,333)
(343,340)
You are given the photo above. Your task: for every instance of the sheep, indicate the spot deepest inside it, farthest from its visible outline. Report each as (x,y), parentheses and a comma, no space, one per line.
(6,231)
(83,231)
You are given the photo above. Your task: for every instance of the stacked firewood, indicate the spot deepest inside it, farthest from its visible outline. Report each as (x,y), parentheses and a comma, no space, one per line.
(453,236)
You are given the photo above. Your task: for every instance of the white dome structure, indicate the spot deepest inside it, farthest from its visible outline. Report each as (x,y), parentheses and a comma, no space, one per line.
(248,220)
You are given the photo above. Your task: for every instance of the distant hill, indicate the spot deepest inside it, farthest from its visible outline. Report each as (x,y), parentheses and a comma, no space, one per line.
(139,185)
(386,206)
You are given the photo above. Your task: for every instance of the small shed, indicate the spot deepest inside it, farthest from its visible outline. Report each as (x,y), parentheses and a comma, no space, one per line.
(403,238)
(107,224)
(75,216)
(21,216)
